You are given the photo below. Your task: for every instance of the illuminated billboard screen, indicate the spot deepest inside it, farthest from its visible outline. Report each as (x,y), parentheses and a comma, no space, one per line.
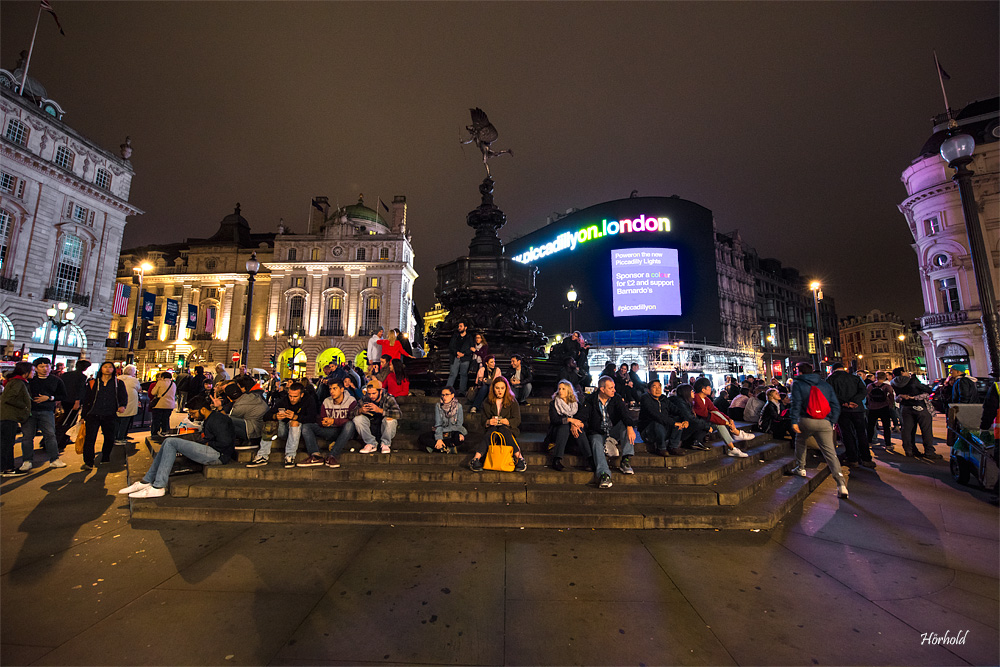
(638,263)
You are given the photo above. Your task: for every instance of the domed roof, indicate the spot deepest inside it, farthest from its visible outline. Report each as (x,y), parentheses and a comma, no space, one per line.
(361,212)
(980,119)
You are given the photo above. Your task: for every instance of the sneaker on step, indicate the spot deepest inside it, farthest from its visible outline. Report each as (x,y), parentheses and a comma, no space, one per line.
(289,461)
(386,449)
(520,465)
(369,449)
(476,465)
(310,462)
(57,464)
(626,466)
(136,486)
(257,462)
(801,472)
(745,435)
(13,472)
(245,445)
(736,452)
(149,492)
(605,481)
(842,491)
(332,462)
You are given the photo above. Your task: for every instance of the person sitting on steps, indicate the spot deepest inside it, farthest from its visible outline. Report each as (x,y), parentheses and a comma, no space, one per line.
(657,420)
(564,424)
(704,408)
(501,414)
(691,436)
(291,411)
(214,447)
(520,379)
(484,380)
(608,422)
(377,419)
(335,424)
(449,428)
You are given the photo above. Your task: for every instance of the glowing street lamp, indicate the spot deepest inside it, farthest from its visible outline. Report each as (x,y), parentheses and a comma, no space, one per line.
(253,266)
(574,304)
(65,317)
(814,286)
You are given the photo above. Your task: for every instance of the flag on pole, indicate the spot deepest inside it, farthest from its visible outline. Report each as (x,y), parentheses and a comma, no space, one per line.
(170,317)
(941,72)
(192,316)
(382,204)
(148,304)
(122,294)
(47,6)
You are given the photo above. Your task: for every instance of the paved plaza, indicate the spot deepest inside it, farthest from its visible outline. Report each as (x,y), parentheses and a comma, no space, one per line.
(838,582)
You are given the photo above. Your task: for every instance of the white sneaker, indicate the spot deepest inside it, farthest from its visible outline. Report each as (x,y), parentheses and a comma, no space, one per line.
(136,486)
(25,466)
(148,492)
(57,464)
(386,449)
(369,449)
(745,435)
(842,491)
(736,452)
(801,472)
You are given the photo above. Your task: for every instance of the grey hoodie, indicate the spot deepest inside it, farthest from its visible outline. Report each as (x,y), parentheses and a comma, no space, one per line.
(908,389)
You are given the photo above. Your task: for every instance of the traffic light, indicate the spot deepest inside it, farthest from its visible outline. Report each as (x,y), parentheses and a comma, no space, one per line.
(180,360)
(273,359)
(17,356)
(143,326)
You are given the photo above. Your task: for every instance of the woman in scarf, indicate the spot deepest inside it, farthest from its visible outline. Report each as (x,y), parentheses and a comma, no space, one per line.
(501,414)
(449,431)
(564,425)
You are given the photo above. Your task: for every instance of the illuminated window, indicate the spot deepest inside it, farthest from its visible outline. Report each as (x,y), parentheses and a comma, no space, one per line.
(315,254)
(932,225)
(64,158)
(334,312)
(812,343)
(69,264)
(383,253)
(103,179)
(296,308)
(17,132)
(299,282)
(374,282)
(6,232)
(372,306)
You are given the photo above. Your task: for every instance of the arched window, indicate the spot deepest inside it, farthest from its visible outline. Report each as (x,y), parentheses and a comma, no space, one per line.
(315,255)
(373,305)
(17,132)
(102,179)
(361,254)
(296,310)
(6,234)
(291,254)
(69,264)
(64,158)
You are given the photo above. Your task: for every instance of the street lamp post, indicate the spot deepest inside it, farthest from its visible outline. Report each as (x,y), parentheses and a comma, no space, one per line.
(65,317)
(770,356)
(574,303)
(295,342)
(136,280)
(817,297)
(277,332)
(253,266)
(957,151)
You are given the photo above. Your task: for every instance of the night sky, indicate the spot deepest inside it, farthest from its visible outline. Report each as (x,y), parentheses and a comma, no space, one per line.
(791,121)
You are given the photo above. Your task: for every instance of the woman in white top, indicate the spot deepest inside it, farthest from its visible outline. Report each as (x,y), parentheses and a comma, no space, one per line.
(162,402)
(124,421)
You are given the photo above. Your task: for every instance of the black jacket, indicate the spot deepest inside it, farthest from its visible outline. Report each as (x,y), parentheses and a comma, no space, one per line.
(654,410)
(990,407)
(684,412)
(218,433)
(305,409)
(462,344)
(48,386)
(849,389)
(770,414)
(590,413)
(121,395)
(964,391)
(75,383)
(526,375)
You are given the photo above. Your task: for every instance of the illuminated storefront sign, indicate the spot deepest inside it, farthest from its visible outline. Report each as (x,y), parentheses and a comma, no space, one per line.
(569,240)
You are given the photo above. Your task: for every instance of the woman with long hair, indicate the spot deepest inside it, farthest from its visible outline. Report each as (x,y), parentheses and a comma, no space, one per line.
(488,372)
(501,414)
(396,382)
(392,349)
(564,425)
(449,429)
(480,349)
(106,399)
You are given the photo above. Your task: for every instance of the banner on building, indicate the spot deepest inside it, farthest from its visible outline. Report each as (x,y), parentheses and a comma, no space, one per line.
(210,320)
(122,294)
(192,316)
(148,304)
(170,317)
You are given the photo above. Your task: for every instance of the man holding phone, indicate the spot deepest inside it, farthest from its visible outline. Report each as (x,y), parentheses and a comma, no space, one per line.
(291,411)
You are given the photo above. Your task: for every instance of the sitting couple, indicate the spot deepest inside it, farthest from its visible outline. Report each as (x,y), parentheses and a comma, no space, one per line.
(685,419)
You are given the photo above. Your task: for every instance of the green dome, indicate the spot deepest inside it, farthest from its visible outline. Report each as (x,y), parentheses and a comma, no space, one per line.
(361,212)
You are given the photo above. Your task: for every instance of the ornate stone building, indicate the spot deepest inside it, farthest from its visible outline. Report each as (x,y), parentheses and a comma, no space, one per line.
(350,273)
(63,209)
(950,327)
(736,294)
(880,342)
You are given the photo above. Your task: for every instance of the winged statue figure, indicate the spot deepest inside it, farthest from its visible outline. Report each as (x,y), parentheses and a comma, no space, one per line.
(483,134)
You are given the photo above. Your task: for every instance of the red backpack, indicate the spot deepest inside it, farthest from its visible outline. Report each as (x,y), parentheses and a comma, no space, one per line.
(817,407)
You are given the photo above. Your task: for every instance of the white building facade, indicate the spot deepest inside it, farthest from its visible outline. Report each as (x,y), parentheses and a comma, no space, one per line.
(63,209)
(951,330)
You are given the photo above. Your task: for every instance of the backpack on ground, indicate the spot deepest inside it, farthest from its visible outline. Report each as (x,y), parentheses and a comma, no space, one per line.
(817,407)
(752,410)
(500,455)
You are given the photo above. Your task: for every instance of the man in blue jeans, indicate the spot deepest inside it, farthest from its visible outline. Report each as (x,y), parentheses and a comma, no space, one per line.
(46,390)
(214,447)
(606,416)
(460,346)
(334,424)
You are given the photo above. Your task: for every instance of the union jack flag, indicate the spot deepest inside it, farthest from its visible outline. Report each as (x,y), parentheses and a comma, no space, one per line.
(47,6)
(122,294)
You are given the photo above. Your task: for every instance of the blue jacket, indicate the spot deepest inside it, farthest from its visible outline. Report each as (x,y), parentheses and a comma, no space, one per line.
(800,397)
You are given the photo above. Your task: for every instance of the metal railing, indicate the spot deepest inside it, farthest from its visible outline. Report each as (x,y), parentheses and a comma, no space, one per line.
(944,319)
(331,331)
(8,284)
(59,294)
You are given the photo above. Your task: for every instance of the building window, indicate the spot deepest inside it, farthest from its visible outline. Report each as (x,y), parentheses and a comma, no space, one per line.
(211,293)
(335,281)
(361,254)
(17,132)
(374,282)
(102,179)
(940,260)
(932,225)
(949,295)
(64,158)
(6,232)
(291,254)
(299,282)
(7,183)
(793,344)
(812,343)
(296,308)
(372,306)
(79,214)
(334,311)
(315,255)
(70,263)
(210,265)
(383,253)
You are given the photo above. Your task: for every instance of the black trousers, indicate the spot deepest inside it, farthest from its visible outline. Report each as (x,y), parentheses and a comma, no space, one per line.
(450,439)
(106,423)
(563,435)
(885,416)
(854,429)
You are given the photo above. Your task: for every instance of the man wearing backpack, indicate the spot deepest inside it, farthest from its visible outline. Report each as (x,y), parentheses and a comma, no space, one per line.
(851,393)
(912,396)
(880,401)
(963,389)
(814,411)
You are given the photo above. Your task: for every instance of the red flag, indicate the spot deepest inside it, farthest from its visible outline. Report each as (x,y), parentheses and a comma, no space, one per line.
(47,6)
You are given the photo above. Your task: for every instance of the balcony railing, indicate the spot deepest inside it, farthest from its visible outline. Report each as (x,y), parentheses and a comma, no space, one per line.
(8,284)
(59,294)
(331,332)
(202,336)
(944,319)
